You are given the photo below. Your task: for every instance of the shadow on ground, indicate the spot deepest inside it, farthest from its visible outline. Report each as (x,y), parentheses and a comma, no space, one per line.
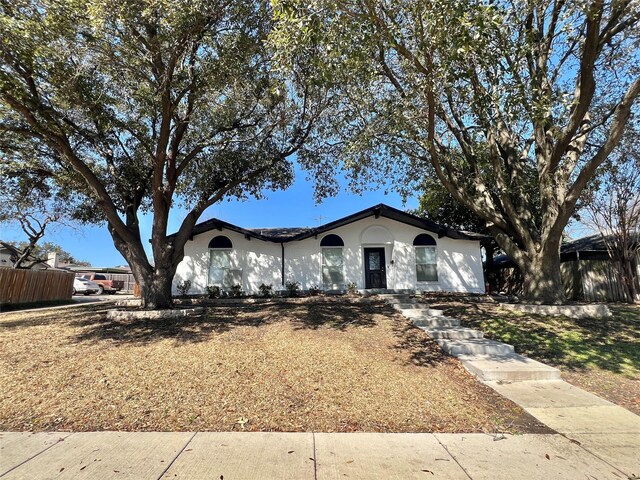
(90,324)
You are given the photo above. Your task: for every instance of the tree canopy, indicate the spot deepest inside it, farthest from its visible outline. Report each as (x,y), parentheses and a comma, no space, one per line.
(513,105)
(437,204)
(36,196)
(146,104)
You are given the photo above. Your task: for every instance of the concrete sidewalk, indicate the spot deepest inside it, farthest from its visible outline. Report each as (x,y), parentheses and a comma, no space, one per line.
(596,440)
(235,456)
(606,430)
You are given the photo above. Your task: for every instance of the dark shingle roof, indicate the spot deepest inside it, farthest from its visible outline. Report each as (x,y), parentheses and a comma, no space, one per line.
(291,234)
(280,233)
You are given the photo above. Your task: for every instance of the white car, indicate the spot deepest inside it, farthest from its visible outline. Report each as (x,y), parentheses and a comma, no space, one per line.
(82,285)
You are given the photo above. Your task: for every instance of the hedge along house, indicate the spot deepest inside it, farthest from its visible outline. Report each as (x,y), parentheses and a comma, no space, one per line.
(380,248)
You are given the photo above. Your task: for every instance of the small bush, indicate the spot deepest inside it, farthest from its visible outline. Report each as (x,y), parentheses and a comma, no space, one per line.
(266,291)
(213,291)
(293,288)
(236,291)
(183,287)
(314,290)
(352,288)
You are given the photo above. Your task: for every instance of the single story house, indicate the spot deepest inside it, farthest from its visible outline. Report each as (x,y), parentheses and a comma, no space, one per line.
(379,248)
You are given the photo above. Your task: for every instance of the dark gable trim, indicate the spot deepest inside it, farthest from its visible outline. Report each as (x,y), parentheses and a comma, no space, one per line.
(215,224)
(386,211)
(377,211)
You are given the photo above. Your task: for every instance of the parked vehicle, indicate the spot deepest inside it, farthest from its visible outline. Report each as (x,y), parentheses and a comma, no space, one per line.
(82,285)
(106,286)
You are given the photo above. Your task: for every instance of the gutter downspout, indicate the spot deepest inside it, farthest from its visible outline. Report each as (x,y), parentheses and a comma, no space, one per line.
(282,272)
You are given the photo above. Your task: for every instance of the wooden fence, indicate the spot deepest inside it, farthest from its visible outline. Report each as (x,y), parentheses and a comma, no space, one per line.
(588,280)
(31,286)
(594,281)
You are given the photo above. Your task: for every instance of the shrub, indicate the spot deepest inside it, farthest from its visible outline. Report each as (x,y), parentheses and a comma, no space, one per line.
(266,291)
(183,287)
(236,291)
(352,288)
(292,288)
(314,290)
(213,291)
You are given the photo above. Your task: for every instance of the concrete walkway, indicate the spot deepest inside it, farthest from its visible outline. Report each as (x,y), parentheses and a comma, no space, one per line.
(239,456)
(602,428)
(488,360)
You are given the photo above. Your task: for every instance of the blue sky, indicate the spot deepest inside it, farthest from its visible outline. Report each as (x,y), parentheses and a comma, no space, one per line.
(293,207)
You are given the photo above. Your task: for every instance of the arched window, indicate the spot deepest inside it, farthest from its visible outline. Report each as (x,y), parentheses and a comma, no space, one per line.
(219,260)
(220,242)
(332,262)
(426,258)
(331,240)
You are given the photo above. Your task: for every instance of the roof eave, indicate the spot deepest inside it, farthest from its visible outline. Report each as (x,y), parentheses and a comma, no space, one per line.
(382,210)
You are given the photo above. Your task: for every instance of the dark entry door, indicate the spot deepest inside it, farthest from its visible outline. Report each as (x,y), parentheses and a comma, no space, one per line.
(374,274)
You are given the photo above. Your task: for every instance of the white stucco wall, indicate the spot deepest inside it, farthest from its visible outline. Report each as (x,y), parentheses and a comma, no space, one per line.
(459,261)
(259,261)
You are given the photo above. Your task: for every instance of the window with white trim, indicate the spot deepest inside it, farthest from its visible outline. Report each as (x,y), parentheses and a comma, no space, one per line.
(220,261)
(332,262)
(426,258)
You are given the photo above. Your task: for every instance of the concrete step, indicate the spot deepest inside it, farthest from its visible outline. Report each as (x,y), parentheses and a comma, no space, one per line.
(403,305)
(419,312)
(434,322)
(457,333)
(395,299)
(386,293)
(473,346)
(511,367)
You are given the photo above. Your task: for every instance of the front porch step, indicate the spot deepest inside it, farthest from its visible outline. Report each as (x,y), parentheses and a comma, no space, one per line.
(487,359)
(435,322)
(509,368)
(408,305)
(453,333)
(386,293)
(420,312)
(474,346)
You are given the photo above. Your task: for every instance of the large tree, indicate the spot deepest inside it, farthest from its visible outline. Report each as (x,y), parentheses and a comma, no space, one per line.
(149,103)
(437,204)
(513,104)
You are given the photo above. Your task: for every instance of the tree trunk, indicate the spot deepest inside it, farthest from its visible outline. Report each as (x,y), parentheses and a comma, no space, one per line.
(542,281)
(629,279)
(155,282)
(155,289)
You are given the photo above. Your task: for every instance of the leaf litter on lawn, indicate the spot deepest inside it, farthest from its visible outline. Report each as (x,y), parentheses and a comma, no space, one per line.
(312,364)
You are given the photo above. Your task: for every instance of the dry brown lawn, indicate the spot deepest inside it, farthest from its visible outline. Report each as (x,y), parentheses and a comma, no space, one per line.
(332,365)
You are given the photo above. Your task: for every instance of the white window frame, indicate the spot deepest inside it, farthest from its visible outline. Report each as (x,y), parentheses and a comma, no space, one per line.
(332,286)
(435,263)
(225,270)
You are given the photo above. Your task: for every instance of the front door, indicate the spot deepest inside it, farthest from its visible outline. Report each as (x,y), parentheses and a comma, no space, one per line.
(374,273)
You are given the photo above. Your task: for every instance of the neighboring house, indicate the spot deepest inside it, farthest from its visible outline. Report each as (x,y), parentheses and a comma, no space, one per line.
(375,249)
(10,254)
(587,269)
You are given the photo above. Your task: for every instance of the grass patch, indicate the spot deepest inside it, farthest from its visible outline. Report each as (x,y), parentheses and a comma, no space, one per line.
(333,365)
(600,354)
